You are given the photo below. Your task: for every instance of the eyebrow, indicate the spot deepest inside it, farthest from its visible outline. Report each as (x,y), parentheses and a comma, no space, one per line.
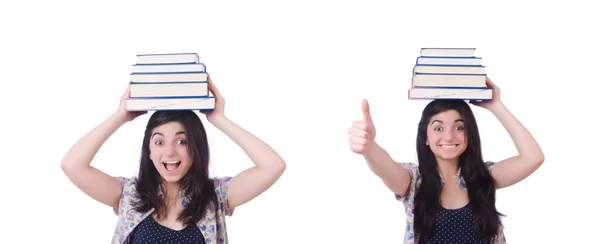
(437,120)
(161,134)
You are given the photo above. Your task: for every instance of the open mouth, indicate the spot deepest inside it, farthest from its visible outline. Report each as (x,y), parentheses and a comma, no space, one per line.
(450,146)
(171,166)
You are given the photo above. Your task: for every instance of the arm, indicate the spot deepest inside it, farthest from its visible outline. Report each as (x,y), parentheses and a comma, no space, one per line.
(269,166)
(514,169)
(76,163)
(361,137)
(250,183)
(393,175)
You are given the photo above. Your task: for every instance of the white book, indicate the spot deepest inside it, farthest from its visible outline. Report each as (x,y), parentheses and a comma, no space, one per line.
(167,58)
(450,93)
(155,104)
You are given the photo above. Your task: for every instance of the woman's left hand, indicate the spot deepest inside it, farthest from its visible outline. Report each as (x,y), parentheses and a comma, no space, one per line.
(494,102)
(219,110)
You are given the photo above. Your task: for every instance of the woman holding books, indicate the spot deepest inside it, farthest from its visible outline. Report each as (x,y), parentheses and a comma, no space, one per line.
(439,208)
(173,199)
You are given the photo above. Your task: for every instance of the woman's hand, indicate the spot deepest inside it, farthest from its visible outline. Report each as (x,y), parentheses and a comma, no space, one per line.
(219,110)
(361,135)
(494,102)
(122,112)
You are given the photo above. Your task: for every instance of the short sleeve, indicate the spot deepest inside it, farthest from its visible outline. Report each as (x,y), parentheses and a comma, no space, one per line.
(489,165)
(221,188)
(122,181)
(413,173)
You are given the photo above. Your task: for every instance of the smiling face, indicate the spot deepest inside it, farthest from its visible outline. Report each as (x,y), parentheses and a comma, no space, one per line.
(169,151)
(446,135)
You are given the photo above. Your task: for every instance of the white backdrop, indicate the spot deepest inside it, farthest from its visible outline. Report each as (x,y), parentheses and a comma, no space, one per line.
(294,75)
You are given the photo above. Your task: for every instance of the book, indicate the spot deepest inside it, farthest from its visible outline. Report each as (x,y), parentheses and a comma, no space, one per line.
(170,81)
(449,73)
(449,60)
(168,68)
(449,80)
(448,69)
(450,93)
(185,89)
(169,77)
(168,58)
(172,103)
(447,52)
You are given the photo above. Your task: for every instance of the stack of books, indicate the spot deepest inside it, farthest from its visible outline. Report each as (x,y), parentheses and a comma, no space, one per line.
(172,81)
(449,73)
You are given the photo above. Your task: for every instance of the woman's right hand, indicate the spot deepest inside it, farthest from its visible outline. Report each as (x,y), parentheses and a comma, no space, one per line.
(361,135)
(122,112)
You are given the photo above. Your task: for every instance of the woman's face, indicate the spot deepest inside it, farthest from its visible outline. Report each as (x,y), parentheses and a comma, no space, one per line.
(169,152)
(446,135)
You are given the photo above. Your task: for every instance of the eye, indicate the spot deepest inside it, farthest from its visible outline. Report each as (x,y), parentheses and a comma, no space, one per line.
(437,129)
(181,142)
(460,127)
(158,143)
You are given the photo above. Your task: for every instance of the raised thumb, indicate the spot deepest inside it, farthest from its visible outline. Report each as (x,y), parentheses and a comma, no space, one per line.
(366,112)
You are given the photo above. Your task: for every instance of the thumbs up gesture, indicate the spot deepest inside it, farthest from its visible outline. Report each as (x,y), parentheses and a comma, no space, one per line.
(361,134)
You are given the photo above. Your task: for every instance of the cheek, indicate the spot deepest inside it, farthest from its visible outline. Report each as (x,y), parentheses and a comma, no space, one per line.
(461,136)
(432,138)
(183,152)
(429,137)
(155,154)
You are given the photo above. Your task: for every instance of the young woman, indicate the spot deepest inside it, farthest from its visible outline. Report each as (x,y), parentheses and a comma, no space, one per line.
(449,197)
(173,200)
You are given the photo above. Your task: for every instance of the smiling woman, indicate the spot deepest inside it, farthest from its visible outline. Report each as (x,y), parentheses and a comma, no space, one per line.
(169,150)
(450,195)
(173,200)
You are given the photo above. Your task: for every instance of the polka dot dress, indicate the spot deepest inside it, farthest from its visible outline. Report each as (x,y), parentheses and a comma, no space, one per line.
(455,226)
(149,231)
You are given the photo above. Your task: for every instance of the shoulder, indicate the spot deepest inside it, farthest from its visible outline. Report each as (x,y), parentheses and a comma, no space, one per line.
(221,184)
(127,181)
(415,179)
(221,188)
(489,165)
(128,192)
(412,168)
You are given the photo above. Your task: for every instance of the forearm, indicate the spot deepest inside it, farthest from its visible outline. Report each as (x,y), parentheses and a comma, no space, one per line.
(393,175)
(84,150)
(261,154)
(381,163)
(526,145)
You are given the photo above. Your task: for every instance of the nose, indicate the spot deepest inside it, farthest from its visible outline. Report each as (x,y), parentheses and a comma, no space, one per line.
(448,135)
(169,150)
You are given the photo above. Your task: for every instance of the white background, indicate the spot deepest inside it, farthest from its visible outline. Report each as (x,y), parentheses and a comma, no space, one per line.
(294,73)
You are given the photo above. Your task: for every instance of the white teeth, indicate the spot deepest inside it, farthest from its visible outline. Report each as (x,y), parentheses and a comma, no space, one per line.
(172,162)
(448,146)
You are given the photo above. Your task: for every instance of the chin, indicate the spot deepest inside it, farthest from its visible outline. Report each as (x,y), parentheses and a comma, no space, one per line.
(170,179)
(449,158)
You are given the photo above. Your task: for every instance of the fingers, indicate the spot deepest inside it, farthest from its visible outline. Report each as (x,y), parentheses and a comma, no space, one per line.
(213,88)
(360,143)
(366,112)
(489,82)
(127,93)
(359,131)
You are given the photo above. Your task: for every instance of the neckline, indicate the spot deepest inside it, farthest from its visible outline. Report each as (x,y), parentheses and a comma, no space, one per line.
(455,209)
(165,227)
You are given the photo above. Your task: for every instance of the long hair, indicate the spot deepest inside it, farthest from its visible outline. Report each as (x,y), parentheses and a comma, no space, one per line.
(196,183)
(480,185)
